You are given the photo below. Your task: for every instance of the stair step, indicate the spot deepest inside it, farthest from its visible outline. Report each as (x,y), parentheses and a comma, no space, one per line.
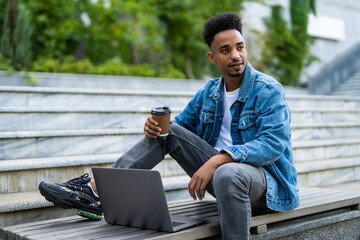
(37,144)
(39,119)
(328,172)
(317,115)
(323,101)
(312,150)
(131,99)
(26,174)
(34,144)
(354,92)
(348,186)
(325,130)
(66,80)
(33,97)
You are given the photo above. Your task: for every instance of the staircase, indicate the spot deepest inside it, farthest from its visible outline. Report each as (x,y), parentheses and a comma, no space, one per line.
(350,87)
(56,134)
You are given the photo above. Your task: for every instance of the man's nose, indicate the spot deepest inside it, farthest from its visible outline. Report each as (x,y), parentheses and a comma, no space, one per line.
(235,55)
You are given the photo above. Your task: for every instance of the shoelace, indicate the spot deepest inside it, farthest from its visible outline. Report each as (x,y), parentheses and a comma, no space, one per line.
(76,180)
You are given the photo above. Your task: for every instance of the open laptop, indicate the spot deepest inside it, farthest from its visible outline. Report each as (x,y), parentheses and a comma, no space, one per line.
(136,198)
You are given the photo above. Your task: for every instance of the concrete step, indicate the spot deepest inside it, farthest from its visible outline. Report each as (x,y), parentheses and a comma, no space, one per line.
(25,174)
(29,206)
(37,97)
(323,102)
(320,149)
(317,115)
(63,80)
(37,144)
(353,92)
(325,130)
(349,86)
(348,186)
(32,97)
(34,144)
(323,173)
(38,119)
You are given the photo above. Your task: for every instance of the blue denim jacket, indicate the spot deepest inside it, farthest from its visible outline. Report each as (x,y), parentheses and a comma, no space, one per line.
(260,131)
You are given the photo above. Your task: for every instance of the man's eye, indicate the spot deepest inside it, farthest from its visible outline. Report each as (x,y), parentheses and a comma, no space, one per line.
(240,48)
(224,50)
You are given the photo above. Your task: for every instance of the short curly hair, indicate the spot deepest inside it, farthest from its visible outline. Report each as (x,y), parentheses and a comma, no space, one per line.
(219,23)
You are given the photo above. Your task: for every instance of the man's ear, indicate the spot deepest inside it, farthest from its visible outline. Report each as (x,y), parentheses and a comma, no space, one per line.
(211,57)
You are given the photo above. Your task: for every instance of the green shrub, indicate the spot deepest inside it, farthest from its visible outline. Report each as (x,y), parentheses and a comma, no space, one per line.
(143,70)
(170,71)
(80,67)
(46,65)
(5,64)
(113,67)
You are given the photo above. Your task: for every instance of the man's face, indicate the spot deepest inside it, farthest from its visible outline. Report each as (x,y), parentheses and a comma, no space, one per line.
(229,53)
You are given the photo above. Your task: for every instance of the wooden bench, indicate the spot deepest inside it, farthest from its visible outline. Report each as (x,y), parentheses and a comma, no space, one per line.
(313,201)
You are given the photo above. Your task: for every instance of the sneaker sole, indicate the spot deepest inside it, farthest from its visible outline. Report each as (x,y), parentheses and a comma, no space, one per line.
(63,200)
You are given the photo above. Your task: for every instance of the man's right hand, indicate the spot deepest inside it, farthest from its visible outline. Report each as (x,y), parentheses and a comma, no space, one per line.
(151,128)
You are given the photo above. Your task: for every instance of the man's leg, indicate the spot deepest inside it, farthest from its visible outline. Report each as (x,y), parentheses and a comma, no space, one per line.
(188,149)
(239,188)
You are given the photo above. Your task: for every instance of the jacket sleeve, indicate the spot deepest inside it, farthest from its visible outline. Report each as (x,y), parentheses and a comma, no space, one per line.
(273,133)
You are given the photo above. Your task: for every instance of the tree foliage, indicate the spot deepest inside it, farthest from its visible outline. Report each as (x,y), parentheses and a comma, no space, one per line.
(139,35)
(15,41)
(286,48)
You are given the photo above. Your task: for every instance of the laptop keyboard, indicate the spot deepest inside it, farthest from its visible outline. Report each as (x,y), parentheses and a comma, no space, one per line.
(175,224)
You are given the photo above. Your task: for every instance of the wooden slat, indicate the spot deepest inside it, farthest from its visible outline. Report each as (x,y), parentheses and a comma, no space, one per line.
(62,233)
(312,207)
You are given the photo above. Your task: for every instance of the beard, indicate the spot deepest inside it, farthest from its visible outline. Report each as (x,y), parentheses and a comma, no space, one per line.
(239,74)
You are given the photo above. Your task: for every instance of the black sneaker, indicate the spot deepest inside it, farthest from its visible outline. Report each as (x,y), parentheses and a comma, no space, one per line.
(75,193)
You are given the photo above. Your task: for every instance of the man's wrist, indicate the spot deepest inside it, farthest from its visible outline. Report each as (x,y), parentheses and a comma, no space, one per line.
(221,159)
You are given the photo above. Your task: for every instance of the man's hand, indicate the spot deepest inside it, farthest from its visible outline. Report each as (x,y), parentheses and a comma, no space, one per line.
(203,176)
(151,128)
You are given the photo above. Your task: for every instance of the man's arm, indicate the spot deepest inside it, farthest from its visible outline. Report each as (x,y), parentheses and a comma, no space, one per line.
(203,176)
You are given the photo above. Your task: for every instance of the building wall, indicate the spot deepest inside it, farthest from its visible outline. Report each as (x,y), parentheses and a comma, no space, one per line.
(327,49)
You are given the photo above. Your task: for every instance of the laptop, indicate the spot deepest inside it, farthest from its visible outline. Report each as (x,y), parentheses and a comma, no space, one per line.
(136,198)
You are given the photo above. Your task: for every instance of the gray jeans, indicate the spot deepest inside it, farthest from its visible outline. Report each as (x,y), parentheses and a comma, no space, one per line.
(239,188)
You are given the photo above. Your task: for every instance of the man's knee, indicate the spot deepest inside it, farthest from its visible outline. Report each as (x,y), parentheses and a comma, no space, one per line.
(229,178)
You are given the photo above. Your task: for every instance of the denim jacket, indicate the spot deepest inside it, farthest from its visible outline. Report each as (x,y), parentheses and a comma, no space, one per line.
(260,130)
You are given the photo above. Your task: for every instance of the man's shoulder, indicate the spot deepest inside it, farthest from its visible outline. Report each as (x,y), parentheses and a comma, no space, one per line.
(265,79)
(210,86)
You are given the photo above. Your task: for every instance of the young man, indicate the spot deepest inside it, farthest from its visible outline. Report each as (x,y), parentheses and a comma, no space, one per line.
(232,139)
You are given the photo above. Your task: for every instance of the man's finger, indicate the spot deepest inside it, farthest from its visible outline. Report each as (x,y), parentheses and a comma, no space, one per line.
(198,189)
(191,188)
(202,190)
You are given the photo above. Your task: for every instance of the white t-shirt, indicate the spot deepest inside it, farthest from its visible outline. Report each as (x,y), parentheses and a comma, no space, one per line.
(224,139)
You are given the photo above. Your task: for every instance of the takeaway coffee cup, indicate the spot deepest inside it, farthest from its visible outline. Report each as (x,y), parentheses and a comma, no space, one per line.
(162,116)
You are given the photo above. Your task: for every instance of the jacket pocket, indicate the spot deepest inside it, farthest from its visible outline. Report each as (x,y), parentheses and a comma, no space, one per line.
(207,120)
(247,127)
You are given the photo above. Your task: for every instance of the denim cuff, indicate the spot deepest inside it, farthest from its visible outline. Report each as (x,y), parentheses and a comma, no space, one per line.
(238,153)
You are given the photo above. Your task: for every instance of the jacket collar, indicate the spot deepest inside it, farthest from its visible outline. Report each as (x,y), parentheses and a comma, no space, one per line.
(245,87)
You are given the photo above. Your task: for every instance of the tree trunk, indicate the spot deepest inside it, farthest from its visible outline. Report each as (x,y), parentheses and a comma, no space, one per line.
(189,70)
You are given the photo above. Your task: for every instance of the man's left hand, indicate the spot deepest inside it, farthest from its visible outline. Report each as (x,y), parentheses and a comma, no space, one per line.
(203,176)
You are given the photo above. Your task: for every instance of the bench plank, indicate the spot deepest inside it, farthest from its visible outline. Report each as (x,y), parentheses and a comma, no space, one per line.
(312,200)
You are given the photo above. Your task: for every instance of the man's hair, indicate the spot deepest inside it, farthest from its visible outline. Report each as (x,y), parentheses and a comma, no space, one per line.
(219,23)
